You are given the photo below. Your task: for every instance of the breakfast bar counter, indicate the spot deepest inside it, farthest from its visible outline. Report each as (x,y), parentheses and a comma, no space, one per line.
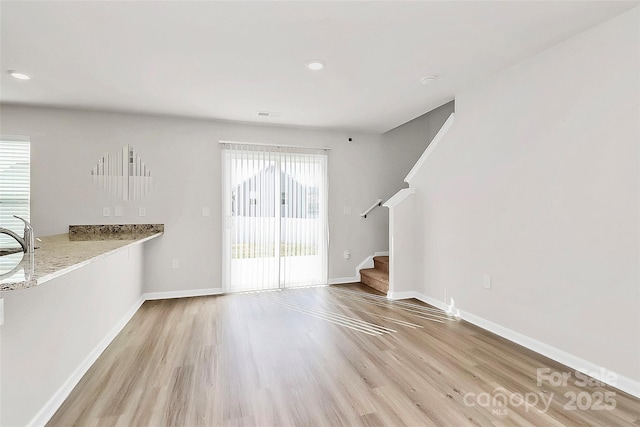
(59,254)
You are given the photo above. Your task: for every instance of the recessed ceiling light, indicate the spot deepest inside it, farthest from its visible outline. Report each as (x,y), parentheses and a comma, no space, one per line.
(427,79)
(315,65)
(18,75)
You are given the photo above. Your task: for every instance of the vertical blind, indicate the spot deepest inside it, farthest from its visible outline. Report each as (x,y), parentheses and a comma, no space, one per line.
(15,188)
(275,205)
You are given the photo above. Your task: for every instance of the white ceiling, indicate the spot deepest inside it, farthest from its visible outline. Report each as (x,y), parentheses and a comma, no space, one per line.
(229,60)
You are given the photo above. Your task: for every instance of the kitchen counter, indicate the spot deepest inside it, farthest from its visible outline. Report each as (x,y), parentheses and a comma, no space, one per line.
(58,255)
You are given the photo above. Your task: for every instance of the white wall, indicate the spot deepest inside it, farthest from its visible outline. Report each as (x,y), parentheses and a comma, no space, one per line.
(184,158)
(50,329)
(537,184)
(403,272)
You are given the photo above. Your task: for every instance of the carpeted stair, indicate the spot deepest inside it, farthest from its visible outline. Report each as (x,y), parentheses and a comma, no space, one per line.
(377,277)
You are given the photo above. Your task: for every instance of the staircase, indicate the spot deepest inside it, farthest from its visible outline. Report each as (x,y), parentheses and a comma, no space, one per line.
(378,276)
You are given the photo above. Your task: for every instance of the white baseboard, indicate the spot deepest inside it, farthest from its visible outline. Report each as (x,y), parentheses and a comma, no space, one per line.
(598,372)
(402,295)
(384,253)
(46,412)
(417,295)
(366,263)
(341,280)
(182,294)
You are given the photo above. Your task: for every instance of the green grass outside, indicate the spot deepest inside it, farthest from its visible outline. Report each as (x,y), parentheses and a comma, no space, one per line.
(249,250)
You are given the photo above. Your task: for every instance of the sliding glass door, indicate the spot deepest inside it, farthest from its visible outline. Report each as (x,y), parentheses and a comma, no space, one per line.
(275,207)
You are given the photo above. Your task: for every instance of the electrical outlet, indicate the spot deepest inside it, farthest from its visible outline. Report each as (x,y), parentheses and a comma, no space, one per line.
(106,211)
(206,211)
(142,211)
(175,263)
(486,281)
(117,211)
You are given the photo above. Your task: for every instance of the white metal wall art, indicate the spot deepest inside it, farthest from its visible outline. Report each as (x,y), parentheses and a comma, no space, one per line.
(123,174)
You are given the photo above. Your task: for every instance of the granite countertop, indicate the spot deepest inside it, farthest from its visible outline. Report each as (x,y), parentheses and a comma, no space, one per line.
(59,254)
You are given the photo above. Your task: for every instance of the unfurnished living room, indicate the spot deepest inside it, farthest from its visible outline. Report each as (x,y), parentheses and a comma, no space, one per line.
(319,213)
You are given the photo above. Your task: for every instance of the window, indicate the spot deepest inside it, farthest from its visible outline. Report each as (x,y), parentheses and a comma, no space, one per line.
(265,247)
(15,185)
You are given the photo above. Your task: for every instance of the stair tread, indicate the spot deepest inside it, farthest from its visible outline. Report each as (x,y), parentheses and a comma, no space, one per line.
(383,259)
(376,274)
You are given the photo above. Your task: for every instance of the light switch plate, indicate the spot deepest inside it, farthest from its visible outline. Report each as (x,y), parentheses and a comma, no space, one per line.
(175,263)
(106,211)
(142,212)
(206,211)
(346,210)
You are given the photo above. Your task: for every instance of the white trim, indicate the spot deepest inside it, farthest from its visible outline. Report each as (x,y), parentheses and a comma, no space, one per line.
(432,146)
(182,294)
(406,295)
(383,253)
(397,198)
(366,263)
(417,295)
(625,384)
(621,382)
(342,280)
(262,144)
(53,404)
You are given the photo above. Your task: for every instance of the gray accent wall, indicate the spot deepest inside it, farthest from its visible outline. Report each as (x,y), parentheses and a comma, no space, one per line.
(414,136)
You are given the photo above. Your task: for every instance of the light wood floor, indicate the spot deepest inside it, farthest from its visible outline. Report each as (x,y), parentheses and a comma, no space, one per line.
(322,357)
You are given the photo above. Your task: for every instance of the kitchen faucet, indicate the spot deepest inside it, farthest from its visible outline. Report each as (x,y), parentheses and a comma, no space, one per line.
(28,241)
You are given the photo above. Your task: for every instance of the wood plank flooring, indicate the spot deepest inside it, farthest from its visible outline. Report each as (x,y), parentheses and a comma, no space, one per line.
(324,357)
